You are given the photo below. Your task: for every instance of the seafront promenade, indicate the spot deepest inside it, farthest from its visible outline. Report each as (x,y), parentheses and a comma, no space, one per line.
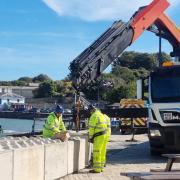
(124,156)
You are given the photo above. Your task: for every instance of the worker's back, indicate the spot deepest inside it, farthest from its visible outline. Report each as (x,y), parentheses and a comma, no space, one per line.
(108,121)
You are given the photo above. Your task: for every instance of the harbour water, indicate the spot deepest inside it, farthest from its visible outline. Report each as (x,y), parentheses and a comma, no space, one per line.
(19,125)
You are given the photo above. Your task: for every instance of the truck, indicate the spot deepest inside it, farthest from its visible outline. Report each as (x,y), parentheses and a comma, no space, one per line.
(164,83)
(164,108)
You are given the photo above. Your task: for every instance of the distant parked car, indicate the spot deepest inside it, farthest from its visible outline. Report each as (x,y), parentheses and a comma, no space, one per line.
(33,110)
(67,111)
(115,125)
(47,110)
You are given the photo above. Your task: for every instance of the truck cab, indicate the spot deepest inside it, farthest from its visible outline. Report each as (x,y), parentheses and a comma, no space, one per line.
(164,110)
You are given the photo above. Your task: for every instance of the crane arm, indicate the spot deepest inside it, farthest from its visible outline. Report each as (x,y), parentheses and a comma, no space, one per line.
(95,59)
(89,65)
(171,33)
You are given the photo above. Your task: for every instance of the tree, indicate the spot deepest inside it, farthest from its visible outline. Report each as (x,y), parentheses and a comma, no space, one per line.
(25,79)
(60,87)
(127,91)
(46,89)
(123,72)
(164,56)
(140,73)
(136,60)
(19,83)
(41,78)
(64,87)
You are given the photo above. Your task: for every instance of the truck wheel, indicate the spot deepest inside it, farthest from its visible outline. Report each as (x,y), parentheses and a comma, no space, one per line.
(154,152)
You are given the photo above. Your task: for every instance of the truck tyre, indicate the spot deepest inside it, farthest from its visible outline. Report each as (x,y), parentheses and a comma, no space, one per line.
(154,152)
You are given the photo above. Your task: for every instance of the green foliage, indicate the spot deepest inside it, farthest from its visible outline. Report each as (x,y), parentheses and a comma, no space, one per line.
(126,91)
(46,89)
(41,78)
(125,71)
(5,83)
(136,60)
(140,73)
(164,56)
(25,79)
(64,88)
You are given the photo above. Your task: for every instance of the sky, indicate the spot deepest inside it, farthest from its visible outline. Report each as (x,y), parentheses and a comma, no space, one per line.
(44,36)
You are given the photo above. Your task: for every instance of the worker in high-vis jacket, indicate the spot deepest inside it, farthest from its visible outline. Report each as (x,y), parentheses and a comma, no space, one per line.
(108,121)
(54,126)
(97,136)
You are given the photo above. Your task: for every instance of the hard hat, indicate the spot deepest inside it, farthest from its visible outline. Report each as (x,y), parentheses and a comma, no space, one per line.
(59,109)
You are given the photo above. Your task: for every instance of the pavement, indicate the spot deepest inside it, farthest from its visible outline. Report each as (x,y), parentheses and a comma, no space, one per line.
(124,156)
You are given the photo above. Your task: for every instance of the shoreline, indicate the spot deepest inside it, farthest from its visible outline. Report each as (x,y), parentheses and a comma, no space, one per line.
(22,115)
(27,115)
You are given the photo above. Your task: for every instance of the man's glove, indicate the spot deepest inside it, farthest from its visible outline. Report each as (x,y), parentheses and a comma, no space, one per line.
(63,136)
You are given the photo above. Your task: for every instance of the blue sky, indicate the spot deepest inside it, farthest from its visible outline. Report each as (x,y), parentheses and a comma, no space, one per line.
(44,36)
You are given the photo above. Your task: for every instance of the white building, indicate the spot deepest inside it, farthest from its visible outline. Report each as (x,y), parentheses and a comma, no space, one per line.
(25,91)
(8,98)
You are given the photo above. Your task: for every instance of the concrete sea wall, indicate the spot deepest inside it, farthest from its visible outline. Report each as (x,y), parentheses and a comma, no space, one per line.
(36,158)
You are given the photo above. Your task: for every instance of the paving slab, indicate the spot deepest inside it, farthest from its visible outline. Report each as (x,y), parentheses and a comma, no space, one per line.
(124,156)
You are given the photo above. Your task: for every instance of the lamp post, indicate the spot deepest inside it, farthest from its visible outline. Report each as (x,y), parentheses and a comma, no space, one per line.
(160,49)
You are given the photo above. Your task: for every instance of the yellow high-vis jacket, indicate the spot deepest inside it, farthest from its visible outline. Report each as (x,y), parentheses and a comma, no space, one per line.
(97,123)
(108,125)
(53,125)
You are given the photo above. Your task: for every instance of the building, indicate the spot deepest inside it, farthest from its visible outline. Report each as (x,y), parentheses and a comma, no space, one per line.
(11,98)
(25,91)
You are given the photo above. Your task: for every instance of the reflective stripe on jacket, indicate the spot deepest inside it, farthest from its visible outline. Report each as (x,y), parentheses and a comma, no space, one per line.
(53,125)
(108,125)
(97,123)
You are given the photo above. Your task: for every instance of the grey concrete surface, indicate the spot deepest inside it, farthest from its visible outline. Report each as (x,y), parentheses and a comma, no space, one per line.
(37,158)
(79,154)
(28,163)
(123,156)
(6,165)
(56,160)
(71,154)
(83,135)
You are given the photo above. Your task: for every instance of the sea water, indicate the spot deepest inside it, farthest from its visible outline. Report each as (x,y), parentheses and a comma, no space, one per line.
(13,126)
